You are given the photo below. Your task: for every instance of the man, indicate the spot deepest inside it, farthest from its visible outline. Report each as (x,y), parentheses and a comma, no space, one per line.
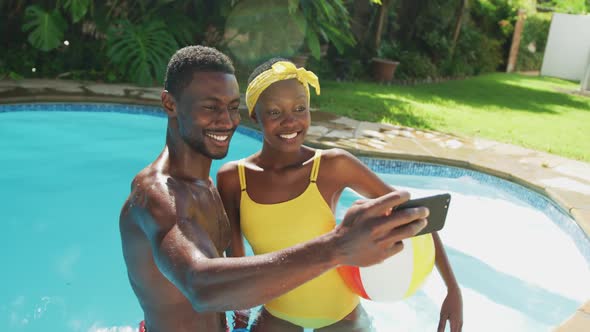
(174,229)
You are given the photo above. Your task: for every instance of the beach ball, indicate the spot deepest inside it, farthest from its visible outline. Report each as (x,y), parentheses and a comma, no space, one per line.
(397,277)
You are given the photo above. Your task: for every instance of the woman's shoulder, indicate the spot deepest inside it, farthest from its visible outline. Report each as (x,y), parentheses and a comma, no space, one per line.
(232,166)
(335,163)
(228,175)
(227,168)
(337,156)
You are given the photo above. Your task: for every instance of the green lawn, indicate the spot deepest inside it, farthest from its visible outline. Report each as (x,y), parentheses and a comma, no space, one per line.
(534,112)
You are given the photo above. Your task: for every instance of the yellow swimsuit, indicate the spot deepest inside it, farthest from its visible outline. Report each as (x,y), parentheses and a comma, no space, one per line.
(271,227)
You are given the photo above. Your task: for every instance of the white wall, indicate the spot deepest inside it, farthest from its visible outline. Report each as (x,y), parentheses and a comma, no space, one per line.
(568,47)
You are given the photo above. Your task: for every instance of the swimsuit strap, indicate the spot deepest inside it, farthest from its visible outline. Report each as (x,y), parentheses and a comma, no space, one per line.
(315,169)
(242,174)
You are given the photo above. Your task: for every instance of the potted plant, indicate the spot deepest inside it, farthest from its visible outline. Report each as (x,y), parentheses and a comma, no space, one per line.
(383,66)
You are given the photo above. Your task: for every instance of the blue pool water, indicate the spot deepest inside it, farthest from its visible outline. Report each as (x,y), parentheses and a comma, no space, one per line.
(522,264)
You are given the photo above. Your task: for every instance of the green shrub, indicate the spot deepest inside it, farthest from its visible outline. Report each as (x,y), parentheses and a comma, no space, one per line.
(389,50)
(122,41)
(496,19)
(46,28)
(533,42)
(475,53)
(415,65)
(142,49)
(423,41)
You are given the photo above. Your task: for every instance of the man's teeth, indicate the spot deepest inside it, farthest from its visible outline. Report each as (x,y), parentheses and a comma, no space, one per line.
(288,136)
(220,138)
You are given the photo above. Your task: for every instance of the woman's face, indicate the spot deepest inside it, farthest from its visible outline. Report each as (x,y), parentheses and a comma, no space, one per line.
(283,113)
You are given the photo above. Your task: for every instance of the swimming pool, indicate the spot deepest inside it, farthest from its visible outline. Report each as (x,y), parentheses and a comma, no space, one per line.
(523,265)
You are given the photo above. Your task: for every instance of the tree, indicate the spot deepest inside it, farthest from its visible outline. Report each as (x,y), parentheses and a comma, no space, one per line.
(565,6)
(458,21)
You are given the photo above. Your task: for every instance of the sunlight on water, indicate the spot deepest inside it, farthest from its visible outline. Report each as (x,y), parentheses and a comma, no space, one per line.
(66,175)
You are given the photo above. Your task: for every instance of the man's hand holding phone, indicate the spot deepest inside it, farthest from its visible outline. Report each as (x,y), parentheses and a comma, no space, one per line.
(367,235)
(437,206)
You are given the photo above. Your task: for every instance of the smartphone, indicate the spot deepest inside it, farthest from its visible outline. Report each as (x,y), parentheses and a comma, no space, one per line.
(438,206)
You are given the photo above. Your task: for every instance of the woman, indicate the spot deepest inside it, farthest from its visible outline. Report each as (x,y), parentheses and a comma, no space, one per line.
(287,193)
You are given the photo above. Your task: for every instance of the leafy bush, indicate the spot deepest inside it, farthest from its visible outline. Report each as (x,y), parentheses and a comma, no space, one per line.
(142,49)
(475,53)
(566,6)
(533,42)
(124,40)
(118,40)
(496,20)
(46,28)
(415,65)
(424,45)
(389,50)
(323,21)
(77,8)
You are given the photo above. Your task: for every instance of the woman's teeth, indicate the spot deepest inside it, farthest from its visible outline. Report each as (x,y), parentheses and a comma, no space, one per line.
(288,136)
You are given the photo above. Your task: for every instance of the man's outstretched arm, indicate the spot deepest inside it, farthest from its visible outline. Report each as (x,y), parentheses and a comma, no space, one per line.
(187,257)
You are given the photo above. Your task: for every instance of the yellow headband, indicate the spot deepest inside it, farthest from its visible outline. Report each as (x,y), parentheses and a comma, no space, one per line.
(280,71)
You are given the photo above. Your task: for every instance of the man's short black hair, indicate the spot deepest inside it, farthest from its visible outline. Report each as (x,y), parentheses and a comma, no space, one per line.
(264,67)
(188,60)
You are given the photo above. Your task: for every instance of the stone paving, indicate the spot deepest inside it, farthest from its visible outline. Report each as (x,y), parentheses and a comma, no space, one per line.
(565,181)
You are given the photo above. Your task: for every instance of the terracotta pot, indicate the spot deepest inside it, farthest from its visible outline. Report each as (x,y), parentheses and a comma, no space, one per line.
(383,69)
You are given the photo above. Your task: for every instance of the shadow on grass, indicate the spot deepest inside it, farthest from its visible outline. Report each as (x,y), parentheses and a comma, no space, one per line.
(402,113)
(498,92)
(366,106)
(494,92)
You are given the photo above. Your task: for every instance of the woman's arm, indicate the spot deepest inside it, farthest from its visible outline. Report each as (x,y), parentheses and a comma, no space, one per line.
(355,175)
(452,307)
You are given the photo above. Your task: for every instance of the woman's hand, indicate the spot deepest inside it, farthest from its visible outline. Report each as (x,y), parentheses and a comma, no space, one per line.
(452,310)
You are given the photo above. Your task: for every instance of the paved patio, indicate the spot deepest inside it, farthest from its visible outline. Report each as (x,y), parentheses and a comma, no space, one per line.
(565,181)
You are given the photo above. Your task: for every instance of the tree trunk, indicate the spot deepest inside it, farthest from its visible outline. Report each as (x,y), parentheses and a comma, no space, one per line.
(380,22)
(407,13)
(361,15)
(513,56)
(458,22)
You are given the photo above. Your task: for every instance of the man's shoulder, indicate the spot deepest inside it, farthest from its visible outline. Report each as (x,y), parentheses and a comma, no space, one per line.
(151,183)
(150,194)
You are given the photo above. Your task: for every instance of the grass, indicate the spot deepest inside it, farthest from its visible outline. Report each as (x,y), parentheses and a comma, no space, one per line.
(534,112)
